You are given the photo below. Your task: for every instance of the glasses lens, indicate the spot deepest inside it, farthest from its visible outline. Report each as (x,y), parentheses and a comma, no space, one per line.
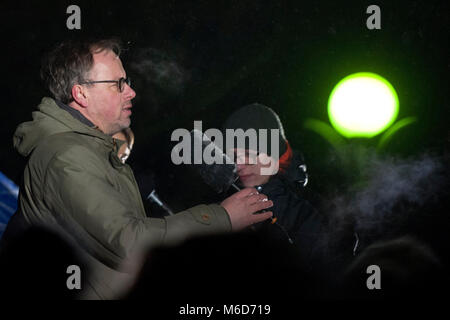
(122,82)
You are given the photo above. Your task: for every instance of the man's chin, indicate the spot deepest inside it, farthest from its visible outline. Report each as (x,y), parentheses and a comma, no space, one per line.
(126,123)
(119,129)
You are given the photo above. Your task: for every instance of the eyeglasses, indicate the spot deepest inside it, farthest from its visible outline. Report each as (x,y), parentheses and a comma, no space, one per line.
(120,83)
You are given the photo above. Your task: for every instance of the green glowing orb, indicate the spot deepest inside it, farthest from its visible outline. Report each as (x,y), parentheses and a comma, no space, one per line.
(362,105)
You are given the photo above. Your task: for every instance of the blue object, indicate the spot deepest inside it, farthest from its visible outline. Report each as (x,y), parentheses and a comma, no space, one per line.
(9,193)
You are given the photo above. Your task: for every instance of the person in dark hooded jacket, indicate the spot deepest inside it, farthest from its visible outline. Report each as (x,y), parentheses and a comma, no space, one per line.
(294,218)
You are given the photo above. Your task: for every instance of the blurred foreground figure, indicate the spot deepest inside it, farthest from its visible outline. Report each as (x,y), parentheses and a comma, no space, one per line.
(76,180)
(34,267)
(408,270)
(269,272)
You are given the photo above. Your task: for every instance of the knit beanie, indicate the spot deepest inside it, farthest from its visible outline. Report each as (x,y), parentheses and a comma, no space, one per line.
(257,116)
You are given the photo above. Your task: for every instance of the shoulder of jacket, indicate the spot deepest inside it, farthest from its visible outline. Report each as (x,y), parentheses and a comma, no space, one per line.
(67,144)
(64,140)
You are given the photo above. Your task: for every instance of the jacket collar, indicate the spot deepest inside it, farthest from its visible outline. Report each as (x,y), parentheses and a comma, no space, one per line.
(75,113)
(74,120)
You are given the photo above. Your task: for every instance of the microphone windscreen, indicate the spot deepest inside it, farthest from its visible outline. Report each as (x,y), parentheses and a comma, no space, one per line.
(214,166)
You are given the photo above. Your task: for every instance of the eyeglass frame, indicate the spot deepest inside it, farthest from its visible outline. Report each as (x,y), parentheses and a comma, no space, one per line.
(120,83)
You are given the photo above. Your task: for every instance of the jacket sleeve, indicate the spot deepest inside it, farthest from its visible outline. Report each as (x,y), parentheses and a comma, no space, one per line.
(108,223)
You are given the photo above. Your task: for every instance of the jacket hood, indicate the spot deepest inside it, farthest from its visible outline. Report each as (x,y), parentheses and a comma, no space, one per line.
(125,142)
(296,172)
(295,177)
(48,120)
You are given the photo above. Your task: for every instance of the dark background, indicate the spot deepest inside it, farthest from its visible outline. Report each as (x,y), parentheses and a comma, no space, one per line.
(222,55)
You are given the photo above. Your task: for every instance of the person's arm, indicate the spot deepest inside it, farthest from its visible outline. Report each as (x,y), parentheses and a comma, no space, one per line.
(111,226)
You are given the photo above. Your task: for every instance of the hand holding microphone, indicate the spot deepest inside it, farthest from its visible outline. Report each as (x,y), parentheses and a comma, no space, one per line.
(243,205)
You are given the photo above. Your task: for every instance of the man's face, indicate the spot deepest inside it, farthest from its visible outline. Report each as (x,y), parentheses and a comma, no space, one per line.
(250,165)
(107,107)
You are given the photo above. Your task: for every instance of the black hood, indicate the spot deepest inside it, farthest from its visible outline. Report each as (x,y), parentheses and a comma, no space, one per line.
(294,178)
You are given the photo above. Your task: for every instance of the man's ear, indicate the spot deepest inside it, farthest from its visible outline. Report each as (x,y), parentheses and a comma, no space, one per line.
(79,95)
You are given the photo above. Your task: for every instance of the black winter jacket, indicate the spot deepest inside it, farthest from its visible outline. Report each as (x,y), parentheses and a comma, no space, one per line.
(297,221)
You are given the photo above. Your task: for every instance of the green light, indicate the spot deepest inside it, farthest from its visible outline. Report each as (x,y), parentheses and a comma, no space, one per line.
(362,105)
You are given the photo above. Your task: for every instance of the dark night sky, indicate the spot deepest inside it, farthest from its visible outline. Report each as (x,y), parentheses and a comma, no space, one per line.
(223,55)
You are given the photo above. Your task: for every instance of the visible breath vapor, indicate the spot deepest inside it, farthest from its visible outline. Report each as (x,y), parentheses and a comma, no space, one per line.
(160,69)
(393,180)
(383,191)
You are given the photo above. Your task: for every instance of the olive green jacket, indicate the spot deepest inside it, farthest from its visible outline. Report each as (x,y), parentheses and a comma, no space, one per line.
(75,181)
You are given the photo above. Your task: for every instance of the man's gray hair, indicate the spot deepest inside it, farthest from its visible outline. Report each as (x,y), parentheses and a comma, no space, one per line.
(69,63)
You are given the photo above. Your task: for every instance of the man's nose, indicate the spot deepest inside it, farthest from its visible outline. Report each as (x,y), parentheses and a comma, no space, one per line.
(128,92)
(240,166)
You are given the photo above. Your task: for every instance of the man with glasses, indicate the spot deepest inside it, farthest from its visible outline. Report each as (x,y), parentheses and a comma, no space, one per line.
(76,183)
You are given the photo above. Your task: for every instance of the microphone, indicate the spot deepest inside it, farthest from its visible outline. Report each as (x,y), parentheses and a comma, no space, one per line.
(221,173)
(153,197)
(147,185)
